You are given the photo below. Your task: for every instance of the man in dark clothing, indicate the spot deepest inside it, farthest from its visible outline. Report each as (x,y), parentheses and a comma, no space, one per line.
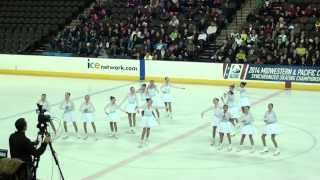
(22,148)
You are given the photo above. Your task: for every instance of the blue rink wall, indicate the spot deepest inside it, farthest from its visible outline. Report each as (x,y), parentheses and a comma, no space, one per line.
(257,76)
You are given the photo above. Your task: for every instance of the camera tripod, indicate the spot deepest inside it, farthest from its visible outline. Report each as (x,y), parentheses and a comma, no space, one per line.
(53,153)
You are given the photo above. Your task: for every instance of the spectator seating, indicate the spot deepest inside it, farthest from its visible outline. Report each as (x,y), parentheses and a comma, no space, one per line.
(277,33)
(155,29)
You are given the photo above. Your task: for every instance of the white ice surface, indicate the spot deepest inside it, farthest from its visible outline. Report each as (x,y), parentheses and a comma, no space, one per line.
(179,149)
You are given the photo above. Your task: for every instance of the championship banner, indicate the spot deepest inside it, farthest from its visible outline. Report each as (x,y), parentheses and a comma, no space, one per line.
(283,73)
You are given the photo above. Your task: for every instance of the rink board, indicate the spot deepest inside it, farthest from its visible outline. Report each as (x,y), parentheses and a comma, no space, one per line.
(70,67)
(125,69)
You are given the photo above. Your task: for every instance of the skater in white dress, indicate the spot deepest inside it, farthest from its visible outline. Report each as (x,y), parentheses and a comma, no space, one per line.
(234,109)
(230,99)
(271,128)
(225,127)
(45,105)
(131,109)
(143,93)
(216,109)
(244,100)
(148,121)
(113,116)
(87,112)
(247,128)
(167,96)
(153,94)
(67,106)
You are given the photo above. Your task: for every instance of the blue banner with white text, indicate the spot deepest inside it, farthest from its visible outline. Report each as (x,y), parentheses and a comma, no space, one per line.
(306,74)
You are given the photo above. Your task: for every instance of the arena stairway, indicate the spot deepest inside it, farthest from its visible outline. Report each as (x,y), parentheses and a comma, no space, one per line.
(237,22)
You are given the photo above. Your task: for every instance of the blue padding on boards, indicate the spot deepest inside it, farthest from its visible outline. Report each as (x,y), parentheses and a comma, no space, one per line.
(142,69)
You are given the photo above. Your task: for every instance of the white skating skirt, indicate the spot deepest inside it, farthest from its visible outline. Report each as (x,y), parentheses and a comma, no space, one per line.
(272,129)
(225,127)
(87,117)
(69,117)
(148,122)
(235,112)
(215,121)
(113,117)
(131,108)
(167,98)
(244,101)
(248,129)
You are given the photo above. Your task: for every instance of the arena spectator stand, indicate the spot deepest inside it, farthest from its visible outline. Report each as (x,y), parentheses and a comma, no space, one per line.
(154,29)
(279,32)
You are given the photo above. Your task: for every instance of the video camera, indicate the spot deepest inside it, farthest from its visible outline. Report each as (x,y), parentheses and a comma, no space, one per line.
(43,119)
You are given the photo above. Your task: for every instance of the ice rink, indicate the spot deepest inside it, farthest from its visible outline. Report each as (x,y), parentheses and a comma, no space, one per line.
(179,149)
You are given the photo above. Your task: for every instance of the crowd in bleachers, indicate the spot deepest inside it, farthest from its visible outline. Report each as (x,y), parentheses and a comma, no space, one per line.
(154,29)
(277,33)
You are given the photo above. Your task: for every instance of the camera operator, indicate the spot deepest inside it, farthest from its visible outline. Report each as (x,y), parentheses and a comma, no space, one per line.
(22,148)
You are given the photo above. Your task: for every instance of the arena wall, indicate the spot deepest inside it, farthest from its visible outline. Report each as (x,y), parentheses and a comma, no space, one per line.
(179,72)
(69,67)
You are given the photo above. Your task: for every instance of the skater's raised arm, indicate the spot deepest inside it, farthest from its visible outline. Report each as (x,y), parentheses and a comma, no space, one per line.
(206,110)
(119,107)
(224,99)
(177,87)
(125,98)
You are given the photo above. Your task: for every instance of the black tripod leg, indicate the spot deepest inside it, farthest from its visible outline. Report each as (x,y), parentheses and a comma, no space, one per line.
(56,160)
(34,168)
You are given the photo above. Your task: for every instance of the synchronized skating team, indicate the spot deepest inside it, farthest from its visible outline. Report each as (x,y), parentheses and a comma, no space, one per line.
(230,117)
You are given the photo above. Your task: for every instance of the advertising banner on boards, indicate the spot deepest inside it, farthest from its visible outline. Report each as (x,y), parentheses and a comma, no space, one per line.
(283,73)
(305,74)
